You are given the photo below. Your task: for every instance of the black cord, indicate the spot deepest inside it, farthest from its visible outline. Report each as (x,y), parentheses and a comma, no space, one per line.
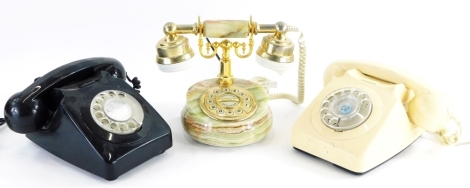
(2,121)
(135,82)
(217,55)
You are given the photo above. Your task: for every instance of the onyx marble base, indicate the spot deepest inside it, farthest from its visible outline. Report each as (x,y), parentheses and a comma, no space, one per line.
(226,133)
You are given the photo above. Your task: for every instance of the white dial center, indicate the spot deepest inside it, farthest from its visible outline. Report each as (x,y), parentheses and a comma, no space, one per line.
(117,109)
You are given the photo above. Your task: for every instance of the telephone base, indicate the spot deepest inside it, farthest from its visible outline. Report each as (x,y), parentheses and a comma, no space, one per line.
(85,156)
(350,171)
(362,144)
(252,125)
(73,135)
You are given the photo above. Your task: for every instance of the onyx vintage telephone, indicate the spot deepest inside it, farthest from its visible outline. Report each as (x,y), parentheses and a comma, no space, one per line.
(369,112)
(227,111)
(85,113)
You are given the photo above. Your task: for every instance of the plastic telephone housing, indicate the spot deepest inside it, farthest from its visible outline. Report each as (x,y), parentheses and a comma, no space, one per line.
(403,107)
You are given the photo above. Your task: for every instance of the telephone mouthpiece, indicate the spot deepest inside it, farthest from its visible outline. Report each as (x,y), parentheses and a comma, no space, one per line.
(175,67)
(278,67)
(25,116)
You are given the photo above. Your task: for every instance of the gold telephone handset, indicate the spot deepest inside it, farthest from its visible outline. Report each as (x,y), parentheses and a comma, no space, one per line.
(428,109)
(369,112)
(228,111)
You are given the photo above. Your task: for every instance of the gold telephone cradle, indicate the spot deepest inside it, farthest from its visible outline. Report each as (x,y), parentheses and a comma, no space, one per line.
(227,111)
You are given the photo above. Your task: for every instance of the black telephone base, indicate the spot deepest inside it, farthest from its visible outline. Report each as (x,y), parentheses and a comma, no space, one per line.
(74,137)
(85,113)
(86,157)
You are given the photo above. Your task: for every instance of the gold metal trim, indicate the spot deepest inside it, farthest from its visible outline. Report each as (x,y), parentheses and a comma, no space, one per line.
(175,48)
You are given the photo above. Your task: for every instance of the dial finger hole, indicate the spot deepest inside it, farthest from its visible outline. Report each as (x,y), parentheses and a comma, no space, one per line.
(238,111)
(326,104)
(347,92)
(112,94)
(96,107)
(98,101)
(131,125)
(327,118)
(362,96)
(122,95)
(365,104)
(105,121)
(114,126)
(124,127)
(104,95)
(324,111)
(333,121)
(355,93)
(99,114)
(331,98)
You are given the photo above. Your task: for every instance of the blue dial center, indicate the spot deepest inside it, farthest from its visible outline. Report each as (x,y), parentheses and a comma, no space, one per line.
(345,108)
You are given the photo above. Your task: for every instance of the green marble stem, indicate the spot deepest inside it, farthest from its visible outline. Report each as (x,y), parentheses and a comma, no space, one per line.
(222,133)
(226,28)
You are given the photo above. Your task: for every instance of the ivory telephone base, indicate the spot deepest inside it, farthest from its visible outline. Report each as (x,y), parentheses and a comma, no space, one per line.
(386,132)
(244,118)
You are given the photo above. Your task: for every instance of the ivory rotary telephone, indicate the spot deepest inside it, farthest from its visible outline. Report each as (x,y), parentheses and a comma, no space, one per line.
(85,113)
(369,112)
(227,111)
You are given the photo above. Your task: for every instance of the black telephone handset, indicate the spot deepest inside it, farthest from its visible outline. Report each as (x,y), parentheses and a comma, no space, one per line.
(85,113)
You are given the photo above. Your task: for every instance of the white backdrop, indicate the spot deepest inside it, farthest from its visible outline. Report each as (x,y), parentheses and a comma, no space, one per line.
(430,39)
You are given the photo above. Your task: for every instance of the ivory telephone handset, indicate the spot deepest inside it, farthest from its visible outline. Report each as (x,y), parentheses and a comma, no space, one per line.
(369,112)
(227,111)
(85,113)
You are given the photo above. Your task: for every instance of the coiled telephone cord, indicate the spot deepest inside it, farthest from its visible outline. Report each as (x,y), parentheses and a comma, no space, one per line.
(301,74)
(135,83)
(2,121)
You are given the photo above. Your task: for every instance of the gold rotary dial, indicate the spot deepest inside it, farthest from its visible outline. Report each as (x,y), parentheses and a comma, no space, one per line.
(228,103)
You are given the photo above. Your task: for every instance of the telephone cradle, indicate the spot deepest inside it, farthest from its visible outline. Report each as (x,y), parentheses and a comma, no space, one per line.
(85,113)
(227,111)
(369,112)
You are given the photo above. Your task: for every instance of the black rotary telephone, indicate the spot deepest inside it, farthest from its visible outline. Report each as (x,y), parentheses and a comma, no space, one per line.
(85,113)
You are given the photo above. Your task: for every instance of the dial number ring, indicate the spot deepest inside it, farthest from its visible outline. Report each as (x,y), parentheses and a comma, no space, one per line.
(345,109)
(117,112)
(228,103)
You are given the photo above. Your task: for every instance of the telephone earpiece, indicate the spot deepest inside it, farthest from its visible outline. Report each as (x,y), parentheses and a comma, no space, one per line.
(28,111)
